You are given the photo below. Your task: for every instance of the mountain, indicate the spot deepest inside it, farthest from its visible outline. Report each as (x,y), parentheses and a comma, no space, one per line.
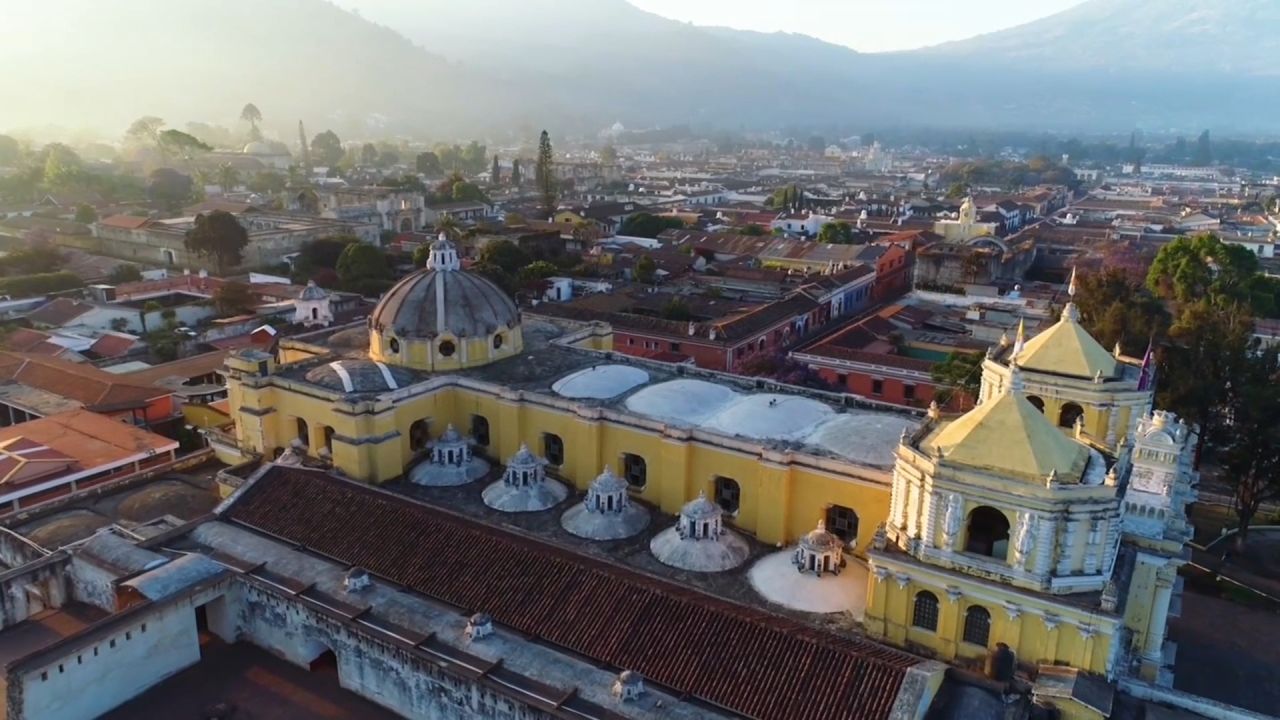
(443,70)
(1196,37)
(107,63)
(1104,64)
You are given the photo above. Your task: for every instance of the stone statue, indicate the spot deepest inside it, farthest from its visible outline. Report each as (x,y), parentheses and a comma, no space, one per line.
(1022,539)
(952,519)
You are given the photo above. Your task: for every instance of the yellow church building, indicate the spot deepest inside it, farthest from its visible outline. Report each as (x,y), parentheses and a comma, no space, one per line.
(1050,518)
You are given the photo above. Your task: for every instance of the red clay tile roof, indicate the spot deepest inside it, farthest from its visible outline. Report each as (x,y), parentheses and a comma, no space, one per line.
(745,659)
(113,345)
(76,440)
(83,383)
(125,222)
(23,339)
(58,312)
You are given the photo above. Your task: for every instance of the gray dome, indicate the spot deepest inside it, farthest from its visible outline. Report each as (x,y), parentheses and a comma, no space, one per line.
(432,302)
(313,292)
(820,540)
(701,508)
(359,376)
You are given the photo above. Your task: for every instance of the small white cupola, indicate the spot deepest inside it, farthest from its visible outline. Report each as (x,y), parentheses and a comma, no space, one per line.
(819,552)
(313,307)
(629,685)
(443,256)
(479,626)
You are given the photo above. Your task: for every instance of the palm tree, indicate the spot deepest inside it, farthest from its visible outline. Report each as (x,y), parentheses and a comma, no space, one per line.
(448,225)
(228,177)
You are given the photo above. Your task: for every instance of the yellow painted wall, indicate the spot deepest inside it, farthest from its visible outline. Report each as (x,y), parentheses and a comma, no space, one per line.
(779,501)
(889,616)
(204,417)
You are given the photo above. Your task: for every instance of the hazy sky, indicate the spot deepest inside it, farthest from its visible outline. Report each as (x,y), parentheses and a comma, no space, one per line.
(867,25)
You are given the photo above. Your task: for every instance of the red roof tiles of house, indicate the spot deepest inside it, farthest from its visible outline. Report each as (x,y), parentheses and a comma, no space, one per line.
(58,312)
(76,440)
(125,222)
(85,384)
(113,345)
(744,659)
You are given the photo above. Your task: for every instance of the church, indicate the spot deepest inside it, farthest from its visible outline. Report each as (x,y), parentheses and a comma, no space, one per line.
(1046,524)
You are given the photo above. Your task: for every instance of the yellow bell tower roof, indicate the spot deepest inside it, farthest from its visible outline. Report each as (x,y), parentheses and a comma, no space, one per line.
(1008,435)
(1066,348)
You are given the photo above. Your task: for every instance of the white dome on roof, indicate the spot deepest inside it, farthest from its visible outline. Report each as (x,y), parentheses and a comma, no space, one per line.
(769,416)
(600,382)
(258,147)
(681,402)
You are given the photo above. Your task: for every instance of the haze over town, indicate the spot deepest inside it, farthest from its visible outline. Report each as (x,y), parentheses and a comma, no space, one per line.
(640,360)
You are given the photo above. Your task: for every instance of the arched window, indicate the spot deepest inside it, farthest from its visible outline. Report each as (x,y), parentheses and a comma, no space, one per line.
(418,437)
(977,625)
(924,614)
(1067,416)
(304,434)
(633,469)
(480,430)
(328,438)
(553,449)
(988,533)
(406,225)
(315,313)
(497,341)
(1036,402)
(842,522)
(395,346)
(728,494)
(447,348)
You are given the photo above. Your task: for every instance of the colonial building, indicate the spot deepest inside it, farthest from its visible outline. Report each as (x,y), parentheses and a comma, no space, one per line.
(1055,526)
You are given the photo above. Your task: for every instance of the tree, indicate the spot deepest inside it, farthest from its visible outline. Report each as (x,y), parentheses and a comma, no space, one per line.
(676,309)
(10,151)
(649,226)
(503,279)
(253,116)
(267,182)
(388,158)
(608,154)
(495,173)
(504,255)
(169,189)
(428,163)
(62,167)
(304,150)
(124,273)
(1203,266)
(1204,150)
(86,214)
(1251,455)
(753,230)
(326,149)
(234,298)
(1115,307)
(228,177)
(958,377)
(515,173)
(368,154)
(536,271)
(544,175)
(363,269)
(218,235)
(646,270)
(420,255)
(182,145)
(146,129)
(318,255)
(836,233)
(1207,349)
